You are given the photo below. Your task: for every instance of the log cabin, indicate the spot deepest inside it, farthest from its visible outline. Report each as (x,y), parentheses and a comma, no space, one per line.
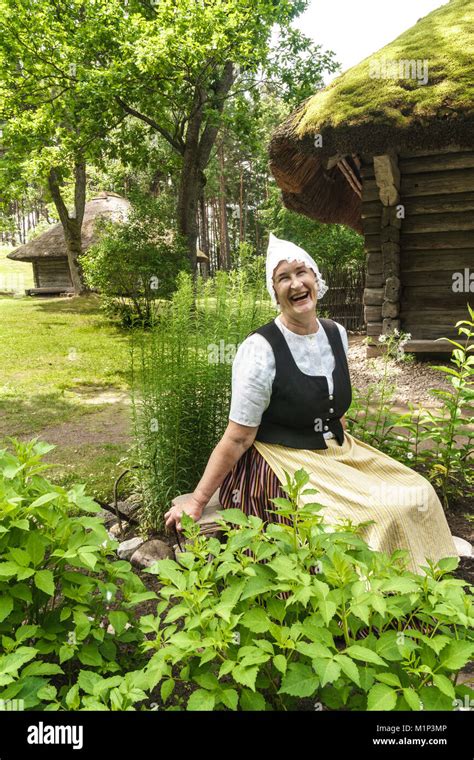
(388,149)
(47,252)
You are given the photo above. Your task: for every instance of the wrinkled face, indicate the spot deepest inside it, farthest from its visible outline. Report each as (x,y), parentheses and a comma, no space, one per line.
(296,288)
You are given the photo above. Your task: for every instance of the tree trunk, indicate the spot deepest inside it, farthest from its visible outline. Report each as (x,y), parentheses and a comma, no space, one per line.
(72,223)
(224,227)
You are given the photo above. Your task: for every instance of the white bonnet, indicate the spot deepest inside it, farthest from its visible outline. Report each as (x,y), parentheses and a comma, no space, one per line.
(282,250)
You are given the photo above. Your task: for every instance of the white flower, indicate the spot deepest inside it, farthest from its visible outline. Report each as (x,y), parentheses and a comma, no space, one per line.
(395,332)
(382,338)
(410,455)
(108,595)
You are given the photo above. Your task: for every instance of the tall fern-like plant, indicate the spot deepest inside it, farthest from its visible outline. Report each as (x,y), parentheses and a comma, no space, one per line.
(182,372)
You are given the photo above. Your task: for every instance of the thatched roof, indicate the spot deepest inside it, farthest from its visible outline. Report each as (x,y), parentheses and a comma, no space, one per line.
(371,108)
(51,243)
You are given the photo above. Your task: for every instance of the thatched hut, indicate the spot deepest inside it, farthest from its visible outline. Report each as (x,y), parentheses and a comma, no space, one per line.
(388,149)
(47,252)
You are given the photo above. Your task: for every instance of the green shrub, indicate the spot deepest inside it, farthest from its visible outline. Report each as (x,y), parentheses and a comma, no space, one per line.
(135,264)
(250,626)
(59,589)
(182,371)
(446,461)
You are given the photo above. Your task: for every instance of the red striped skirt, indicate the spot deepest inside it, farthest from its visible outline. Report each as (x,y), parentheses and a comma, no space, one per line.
(250,486)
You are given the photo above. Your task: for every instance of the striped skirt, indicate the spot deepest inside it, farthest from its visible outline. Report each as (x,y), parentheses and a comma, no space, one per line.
(354,481)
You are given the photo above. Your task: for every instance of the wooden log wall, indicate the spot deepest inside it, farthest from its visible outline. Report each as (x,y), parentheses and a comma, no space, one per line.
(434,240)
(52,273)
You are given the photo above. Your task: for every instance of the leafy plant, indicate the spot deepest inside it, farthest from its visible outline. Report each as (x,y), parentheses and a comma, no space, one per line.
(437,442)
(182,371)
(271,616)
(63,601)
(135,264)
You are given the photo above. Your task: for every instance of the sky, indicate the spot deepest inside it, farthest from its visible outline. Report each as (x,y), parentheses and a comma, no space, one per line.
(354,29)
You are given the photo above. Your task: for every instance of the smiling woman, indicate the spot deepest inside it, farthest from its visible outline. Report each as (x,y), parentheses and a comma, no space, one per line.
(290,391)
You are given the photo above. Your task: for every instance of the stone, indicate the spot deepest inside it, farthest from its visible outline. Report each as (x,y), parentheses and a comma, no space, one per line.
(390,309)
(150,552)
(389,325)
(127,548)
(392,289)
(114,530)
(464,548)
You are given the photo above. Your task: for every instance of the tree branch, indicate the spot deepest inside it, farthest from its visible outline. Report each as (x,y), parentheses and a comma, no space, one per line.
(176,144)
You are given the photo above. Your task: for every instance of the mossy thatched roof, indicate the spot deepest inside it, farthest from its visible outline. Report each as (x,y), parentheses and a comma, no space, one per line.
(371,109)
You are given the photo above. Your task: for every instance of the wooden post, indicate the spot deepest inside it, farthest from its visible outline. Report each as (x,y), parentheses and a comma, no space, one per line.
(383,268)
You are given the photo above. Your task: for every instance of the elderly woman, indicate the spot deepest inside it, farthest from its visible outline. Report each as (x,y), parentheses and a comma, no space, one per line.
(291,390)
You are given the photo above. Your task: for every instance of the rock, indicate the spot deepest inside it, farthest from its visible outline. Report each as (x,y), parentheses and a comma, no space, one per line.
(150,552)
(463,547)
(127,548)
(114,530)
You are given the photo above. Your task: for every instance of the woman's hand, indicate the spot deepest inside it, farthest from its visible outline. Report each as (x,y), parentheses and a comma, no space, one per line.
(191,507)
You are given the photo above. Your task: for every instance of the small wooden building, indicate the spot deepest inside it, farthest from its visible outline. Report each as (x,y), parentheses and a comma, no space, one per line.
(388,149)
(47,252)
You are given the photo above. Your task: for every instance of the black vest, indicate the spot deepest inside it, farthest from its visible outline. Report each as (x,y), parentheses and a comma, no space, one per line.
(301,408)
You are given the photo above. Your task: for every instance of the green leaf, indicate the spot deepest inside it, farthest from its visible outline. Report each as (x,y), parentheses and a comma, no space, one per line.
(207,680)
(119,620)
(201,700)
(348,667)
(299,681)
(444,684)
(252,701)
(88,680)
(256,620)
(66,652)
(35,547)
(8,569)
(47,693)
(280,663)
(327,610)
(391,679)
(6,606)
(12,662)
(255,586)
(456,654)
(433,699)
(402,585)
(412,699)
(313,650)
(381,697)
(166,689)
(47,498)
(365,654)
(230,698)
(234,516)
(245,676)
(73,699)
(42,669)
(44,580)
(89,655)
(327,670)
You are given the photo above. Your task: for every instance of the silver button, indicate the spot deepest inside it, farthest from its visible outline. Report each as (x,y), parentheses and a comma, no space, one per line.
(331,411)
(331,398)
(326,427)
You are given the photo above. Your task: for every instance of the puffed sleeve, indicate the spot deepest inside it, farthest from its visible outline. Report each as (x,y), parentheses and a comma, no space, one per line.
(345,340)
(253,372)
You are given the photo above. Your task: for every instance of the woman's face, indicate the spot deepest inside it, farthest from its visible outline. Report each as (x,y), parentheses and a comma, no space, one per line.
(291,281)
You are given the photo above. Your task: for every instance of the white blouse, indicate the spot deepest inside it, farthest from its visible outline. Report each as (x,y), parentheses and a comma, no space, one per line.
(253,369)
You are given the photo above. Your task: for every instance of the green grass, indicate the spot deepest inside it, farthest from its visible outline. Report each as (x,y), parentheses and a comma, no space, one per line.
(55,354)
(14,275)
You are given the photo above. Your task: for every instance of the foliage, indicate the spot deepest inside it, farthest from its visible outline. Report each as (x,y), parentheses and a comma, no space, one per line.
(333,246)
(135,264)
(438,442)
(270,616)
(182,381)
(63,601)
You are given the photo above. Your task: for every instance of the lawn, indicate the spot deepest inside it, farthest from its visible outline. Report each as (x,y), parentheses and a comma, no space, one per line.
(65,377)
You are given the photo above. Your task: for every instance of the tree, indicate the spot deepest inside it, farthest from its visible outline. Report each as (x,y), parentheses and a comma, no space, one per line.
(55,117)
